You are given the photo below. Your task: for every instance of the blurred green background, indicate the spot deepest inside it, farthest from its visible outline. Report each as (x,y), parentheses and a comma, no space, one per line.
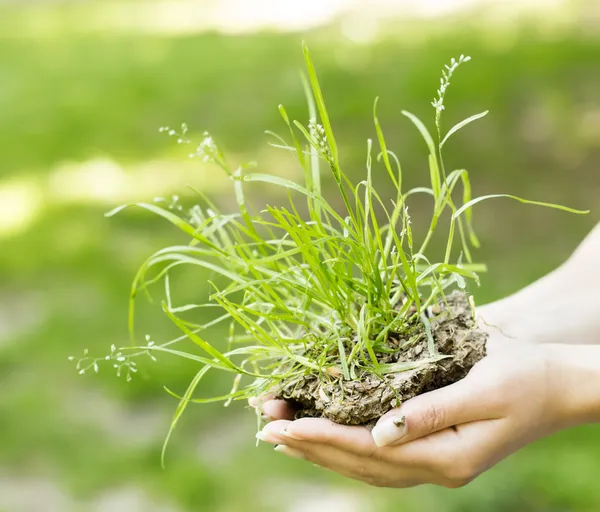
(84,87)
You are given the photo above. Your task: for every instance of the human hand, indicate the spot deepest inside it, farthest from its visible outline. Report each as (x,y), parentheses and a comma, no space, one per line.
(517,394)
(524,389)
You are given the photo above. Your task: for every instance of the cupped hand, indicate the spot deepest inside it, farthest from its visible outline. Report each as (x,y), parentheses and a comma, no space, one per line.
(445,437)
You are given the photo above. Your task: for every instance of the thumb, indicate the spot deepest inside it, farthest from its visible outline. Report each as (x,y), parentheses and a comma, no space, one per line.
(425,414)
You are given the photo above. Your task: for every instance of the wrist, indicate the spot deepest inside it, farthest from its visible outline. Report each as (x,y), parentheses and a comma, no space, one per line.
(573,384)
(554,309)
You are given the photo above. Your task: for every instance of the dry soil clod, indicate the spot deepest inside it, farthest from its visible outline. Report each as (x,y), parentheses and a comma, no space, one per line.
(363,401)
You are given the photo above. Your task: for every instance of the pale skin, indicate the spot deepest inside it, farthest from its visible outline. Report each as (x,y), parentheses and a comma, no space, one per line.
(541,375)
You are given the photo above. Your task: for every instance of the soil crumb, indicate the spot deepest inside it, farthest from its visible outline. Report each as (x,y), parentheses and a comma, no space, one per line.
(363,401)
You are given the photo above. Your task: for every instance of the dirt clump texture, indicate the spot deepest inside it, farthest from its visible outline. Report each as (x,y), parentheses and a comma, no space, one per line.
(366,399)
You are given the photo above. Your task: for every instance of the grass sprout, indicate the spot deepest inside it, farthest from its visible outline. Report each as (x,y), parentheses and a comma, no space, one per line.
(317,292)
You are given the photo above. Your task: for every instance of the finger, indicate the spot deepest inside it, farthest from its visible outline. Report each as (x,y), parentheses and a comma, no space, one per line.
(257,401)
(305,431)
(381,468)
(370,470)
(278,410)
(480,445)
(356,440)
(455,457)
(462,402)
(272,432)
(271,408)
(275,433)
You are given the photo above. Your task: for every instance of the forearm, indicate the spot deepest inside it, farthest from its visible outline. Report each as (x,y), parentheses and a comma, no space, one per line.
(562,307)
(574,381)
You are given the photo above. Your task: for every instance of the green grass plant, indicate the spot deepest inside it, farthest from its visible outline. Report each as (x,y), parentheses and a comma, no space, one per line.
(316,286)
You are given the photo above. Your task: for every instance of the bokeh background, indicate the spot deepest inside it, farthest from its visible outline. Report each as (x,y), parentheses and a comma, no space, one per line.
(84,85)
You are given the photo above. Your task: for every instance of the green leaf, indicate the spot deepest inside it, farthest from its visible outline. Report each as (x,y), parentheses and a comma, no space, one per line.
(297,147)
(468,205)
(419,190)
(223,398)
(165,214)
(384,151)
(434,175)
(181,409)
(207,347)
(430,341)
(447,268)
(314,82)
(314,155)
(423,130)
(468,215)
(282,182)
(276,180)
(343,359)
(411,365)
(462,124)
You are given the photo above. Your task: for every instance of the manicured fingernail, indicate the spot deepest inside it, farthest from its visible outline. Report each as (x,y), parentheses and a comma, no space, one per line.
(253,401)
(266,437)
(389,431)
(290,452)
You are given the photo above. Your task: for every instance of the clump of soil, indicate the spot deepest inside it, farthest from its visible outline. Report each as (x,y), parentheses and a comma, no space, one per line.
(363,401)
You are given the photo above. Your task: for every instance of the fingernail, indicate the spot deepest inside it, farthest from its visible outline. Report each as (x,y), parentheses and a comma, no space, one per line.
(290,452)
(265,418)
(266,437)
(389,431)
(253,401)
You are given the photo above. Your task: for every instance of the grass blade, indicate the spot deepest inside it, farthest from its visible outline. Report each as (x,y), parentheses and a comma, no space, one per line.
(462,124)
(423,130)
(468,205)
(183,403)
(318,95)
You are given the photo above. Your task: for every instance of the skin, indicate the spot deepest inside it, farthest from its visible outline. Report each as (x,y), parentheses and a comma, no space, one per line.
(544,343)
